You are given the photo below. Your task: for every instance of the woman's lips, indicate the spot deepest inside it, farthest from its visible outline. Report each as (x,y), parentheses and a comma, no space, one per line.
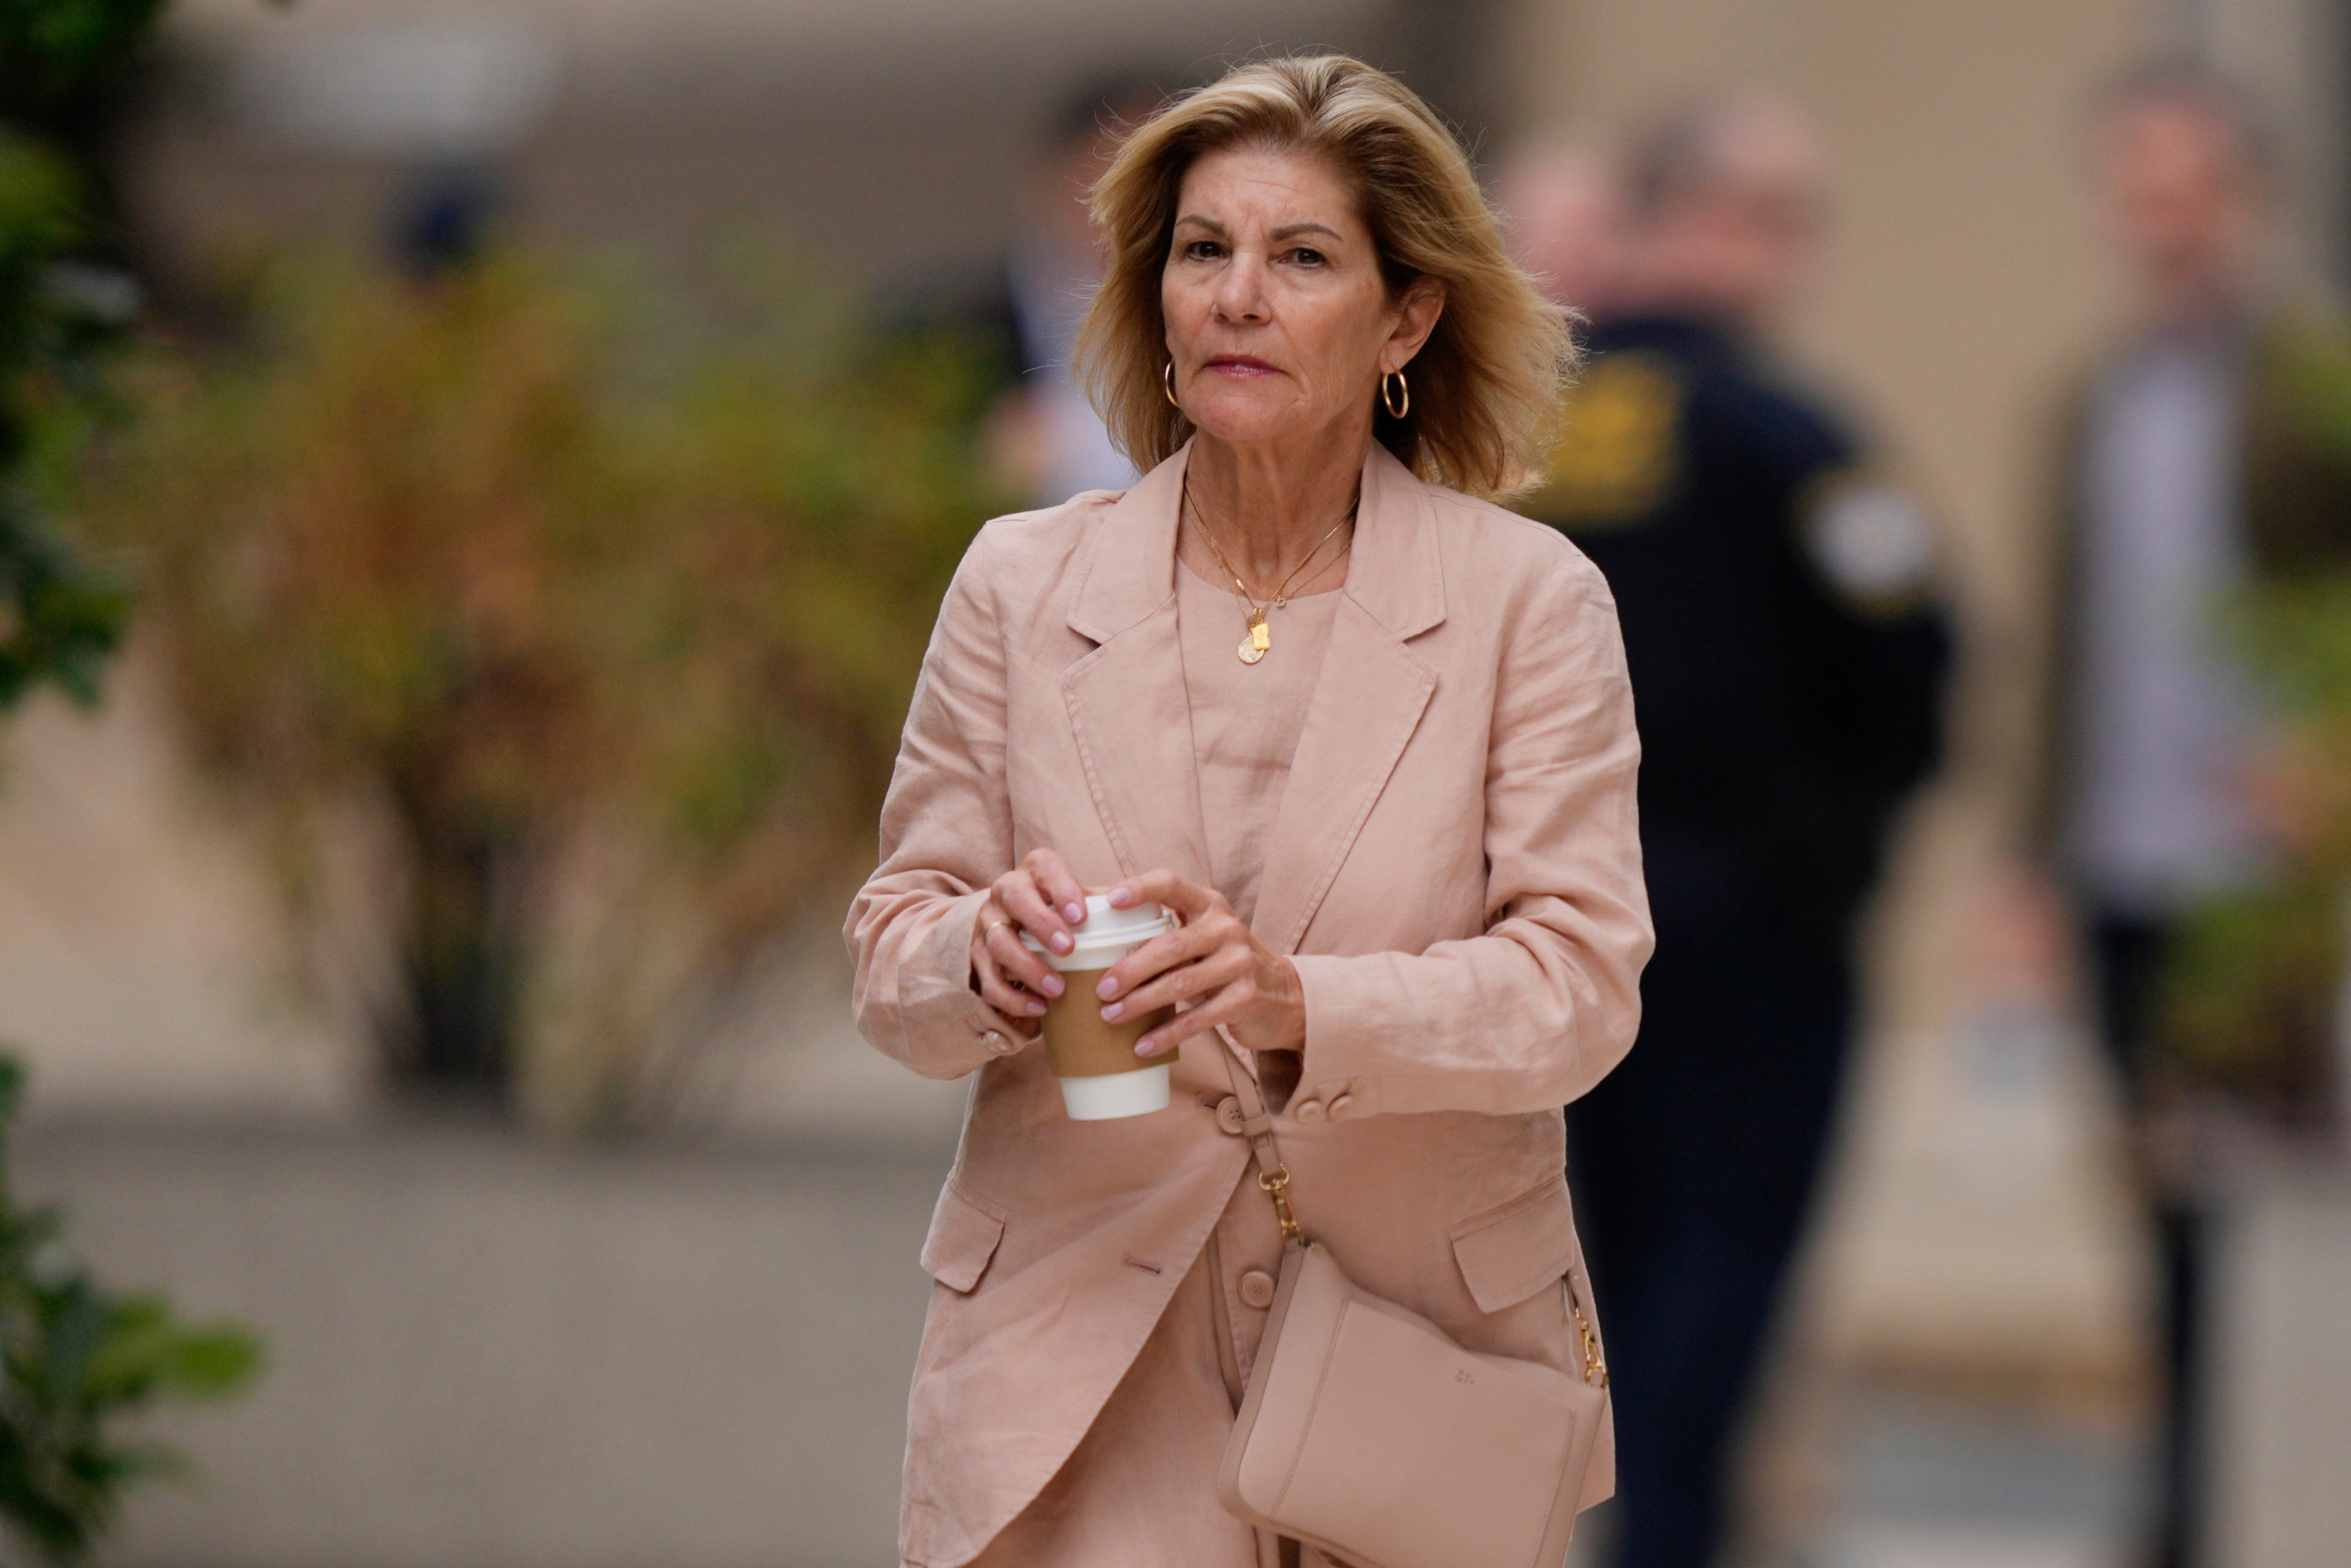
(1240,365)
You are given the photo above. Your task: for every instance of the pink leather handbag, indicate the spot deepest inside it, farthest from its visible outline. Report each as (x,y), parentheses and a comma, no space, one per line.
(1368,1433)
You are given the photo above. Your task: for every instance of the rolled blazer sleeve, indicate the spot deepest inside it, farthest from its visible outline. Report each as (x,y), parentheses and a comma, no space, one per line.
(1538,1009)
(946,834)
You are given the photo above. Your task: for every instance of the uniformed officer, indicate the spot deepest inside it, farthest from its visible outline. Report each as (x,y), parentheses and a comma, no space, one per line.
(1788,659)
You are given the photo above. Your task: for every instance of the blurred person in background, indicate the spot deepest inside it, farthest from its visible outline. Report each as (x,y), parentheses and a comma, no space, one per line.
(1788,655)
(1564,198)
(1367,733)
(1047,442)
(2199,457)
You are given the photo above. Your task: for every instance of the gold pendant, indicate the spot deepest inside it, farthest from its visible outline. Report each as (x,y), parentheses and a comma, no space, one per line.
(1253,646)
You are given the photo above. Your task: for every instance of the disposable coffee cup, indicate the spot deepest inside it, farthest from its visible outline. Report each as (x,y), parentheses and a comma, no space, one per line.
(1101,1076)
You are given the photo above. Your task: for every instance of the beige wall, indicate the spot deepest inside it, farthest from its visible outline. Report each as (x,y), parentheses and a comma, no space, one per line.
(2291,56)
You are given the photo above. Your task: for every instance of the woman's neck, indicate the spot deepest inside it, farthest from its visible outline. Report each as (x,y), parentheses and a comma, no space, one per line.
(1268,504)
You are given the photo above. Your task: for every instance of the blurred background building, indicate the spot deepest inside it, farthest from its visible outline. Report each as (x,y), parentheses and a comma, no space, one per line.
(648,1294)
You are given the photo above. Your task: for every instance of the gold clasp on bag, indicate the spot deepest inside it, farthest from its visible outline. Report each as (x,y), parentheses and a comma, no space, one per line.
(1592,1360)
(1273,1182)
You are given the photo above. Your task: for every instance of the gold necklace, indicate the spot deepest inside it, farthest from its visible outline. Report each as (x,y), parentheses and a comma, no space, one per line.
(1259,640)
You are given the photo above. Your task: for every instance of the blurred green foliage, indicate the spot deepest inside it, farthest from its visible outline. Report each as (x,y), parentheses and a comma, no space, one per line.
(617,617)
(2311,371)
(63,64)
(2253,986)
(62,60)
(75,1357)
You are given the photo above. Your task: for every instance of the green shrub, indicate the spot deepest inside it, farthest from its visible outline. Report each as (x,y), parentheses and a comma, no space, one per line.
(617,621)
(60,614)
(2250,993)
(76,1358)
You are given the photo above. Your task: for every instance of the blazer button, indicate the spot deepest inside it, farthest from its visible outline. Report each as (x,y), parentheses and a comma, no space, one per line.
(1257,1288)
(1228,1115)
(1310,1111)
(1341,1106)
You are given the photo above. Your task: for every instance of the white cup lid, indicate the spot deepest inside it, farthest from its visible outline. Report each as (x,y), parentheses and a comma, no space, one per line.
(1104,926)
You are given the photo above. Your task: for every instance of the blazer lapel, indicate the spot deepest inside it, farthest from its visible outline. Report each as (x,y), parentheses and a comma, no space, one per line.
(1126,699)
(1367,700)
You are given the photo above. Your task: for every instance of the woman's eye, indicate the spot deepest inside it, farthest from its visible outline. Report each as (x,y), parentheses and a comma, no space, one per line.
(1307,257)
(1203,250)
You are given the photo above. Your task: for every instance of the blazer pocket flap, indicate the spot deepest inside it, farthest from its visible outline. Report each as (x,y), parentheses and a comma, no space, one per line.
(964,1234)
(1510,1251)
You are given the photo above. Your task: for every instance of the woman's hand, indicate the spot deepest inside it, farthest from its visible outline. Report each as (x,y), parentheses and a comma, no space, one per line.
(1039,896)
(1212,961)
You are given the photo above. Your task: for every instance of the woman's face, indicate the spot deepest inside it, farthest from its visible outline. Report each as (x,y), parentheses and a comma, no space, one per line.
(1278,321)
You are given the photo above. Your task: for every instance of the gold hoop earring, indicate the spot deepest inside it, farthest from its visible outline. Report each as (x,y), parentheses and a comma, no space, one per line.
(1400,405)
(1168,382)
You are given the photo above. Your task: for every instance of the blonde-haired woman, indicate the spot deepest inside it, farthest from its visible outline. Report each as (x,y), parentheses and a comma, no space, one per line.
(1366,733)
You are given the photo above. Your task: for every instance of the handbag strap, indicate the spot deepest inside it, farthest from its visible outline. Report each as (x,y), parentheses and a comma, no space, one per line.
(1273,1179)
(1257,1127)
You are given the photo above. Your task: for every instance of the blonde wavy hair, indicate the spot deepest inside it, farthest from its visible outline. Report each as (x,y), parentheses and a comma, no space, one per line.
(1485,386)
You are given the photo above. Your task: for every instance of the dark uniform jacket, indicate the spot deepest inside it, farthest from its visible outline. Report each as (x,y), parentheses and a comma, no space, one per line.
(1787,654)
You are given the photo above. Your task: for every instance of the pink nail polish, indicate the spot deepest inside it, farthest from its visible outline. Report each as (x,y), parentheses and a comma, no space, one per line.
(1054,986)
(1075,914)
(1112,1013)
(1147,1048)
(1121,897)
(1036,1009)
(1063,942)
(1108,989)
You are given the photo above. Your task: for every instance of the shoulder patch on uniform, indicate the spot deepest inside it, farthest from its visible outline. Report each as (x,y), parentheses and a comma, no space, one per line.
(1869,541)
(1618,447)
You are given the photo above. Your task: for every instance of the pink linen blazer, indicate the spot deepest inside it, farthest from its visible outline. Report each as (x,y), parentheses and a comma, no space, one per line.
(1456,869)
